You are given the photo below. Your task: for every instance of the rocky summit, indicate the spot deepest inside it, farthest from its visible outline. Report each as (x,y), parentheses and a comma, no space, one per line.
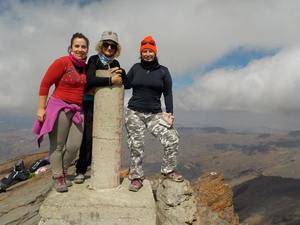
(207,201)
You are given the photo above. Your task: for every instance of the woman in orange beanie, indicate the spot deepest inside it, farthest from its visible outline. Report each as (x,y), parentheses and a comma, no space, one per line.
(149,80)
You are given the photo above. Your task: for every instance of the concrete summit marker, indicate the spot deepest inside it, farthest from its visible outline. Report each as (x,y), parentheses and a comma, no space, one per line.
(107,134)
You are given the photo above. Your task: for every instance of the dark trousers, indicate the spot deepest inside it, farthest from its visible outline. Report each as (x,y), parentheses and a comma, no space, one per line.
(85,155)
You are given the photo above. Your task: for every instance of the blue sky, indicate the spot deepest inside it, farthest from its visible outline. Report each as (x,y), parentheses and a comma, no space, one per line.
(236,59)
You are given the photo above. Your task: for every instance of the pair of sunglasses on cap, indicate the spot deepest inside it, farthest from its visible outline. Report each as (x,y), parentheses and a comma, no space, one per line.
(151,42)
(112,45)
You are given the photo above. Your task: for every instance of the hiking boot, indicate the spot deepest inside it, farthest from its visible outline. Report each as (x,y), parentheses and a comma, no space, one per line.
(79,179)
(60,184)
(2,187)
(174,176)
(17,174)
(135,185)
(67,180)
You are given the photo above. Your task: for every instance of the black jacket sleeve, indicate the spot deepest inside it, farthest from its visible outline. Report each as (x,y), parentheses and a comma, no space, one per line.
(128,78)
(168,95)
(92,80)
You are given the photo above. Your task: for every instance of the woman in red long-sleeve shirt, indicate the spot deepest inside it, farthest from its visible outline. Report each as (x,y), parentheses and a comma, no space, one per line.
(61,116)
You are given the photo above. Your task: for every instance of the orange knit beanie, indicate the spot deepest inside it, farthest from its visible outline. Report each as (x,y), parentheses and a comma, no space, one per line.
(148,43)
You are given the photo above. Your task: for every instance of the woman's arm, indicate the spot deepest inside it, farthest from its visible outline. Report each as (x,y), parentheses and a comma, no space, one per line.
(127,79)
(92,80)
(168,95)
(53,75)
(41,108)
(118,72)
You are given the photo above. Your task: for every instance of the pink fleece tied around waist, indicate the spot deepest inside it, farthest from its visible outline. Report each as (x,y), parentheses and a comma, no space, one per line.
(52,111)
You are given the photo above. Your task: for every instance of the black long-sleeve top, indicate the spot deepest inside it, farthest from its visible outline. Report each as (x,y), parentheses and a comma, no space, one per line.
(148,84)
(94,63)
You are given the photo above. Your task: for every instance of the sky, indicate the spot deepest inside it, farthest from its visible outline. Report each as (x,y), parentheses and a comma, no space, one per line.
(233,63)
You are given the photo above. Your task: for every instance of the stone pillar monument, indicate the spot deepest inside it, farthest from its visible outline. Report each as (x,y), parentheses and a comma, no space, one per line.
(107,134)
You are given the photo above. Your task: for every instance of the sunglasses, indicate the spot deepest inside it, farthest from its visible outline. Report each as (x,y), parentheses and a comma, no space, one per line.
(112,45)
(151,42)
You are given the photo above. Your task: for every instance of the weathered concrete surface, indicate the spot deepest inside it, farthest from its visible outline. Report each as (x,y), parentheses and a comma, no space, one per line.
(116,206)
(107,134)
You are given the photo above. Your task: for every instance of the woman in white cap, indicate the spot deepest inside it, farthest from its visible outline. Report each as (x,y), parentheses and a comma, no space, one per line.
(108,49)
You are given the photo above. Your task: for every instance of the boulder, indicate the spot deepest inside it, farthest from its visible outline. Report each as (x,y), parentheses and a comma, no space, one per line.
(215,198)
(176,204)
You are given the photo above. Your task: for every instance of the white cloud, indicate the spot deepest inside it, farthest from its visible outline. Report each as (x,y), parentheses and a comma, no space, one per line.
(268,85)
(190,34)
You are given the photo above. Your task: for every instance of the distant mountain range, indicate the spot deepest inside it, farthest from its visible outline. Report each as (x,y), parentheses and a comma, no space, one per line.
(263,168)
(268,200)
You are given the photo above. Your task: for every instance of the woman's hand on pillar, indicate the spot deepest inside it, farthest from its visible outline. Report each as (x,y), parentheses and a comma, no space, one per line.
(116,79)
(115,70)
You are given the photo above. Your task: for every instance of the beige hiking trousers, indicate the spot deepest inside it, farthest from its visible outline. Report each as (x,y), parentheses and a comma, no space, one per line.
(65,140)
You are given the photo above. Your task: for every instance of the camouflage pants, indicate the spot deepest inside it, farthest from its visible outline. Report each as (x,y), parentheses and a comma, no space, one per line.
(136,123)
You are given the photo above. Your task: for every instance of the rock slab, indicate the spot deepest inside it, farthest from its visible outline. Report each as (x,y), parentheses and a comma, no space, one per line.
(21,203)
(85,206)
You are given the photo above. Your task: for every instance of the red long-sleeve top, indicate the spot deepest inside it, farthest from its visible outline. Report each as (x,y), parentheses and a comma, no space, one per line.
(69,84)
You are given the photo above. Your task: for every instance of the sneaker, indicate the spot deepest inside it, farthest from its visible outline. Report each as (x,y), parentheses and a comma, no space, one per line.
(135,185)
(60,184)
(79,179)
(174,176)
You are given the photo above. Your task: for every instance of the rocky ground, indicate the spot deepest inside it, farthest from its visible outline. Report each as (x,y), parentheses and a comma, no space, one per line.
(21,202)
(208,201)
(178,203)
